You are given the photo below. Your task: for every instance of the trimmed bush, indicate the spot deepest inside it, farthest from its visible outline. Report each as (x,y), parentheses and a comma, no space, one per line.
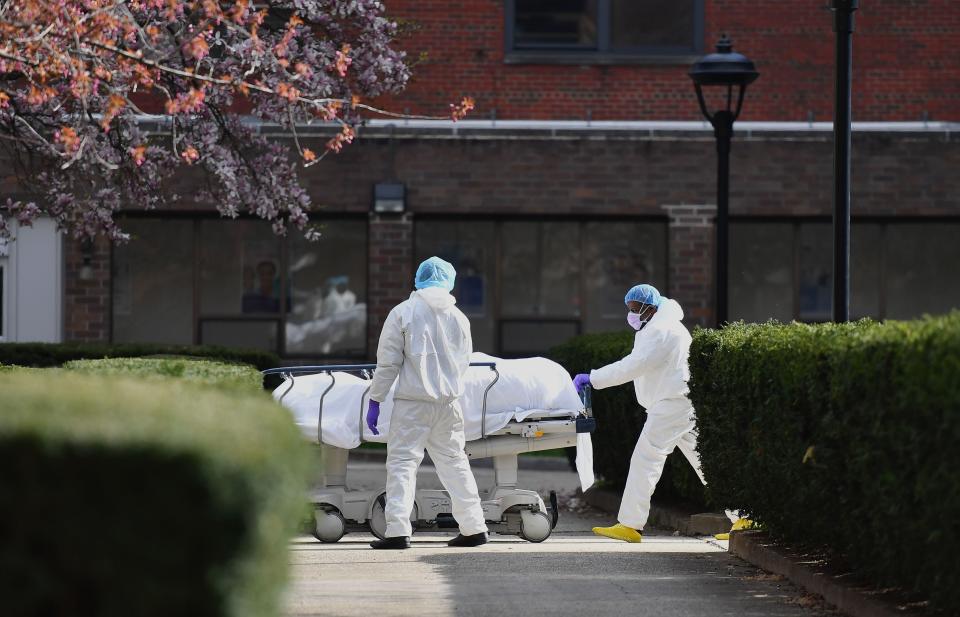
(841,437)
(141,498)
(230,376)
(620,418)
(56,354)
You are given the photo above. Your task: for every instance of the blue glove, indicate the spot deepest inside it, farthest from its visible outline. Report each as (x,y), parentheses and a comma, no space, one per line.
(581,380)
(373,414)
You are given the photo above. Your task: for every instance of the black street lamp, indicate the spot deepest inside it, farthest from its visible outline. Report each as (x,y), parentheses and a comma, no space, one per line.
(730,70)
(843,27)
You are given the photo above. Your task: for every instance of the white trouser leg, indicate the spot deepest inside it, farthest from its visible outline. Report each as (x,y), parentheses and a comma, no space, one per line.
(409,431)
(453,468)
(688,445)
(667,423)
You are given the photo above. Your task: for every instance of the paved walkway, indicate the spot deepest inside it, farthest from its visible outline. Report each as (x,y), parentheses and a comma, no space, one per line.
(572,573)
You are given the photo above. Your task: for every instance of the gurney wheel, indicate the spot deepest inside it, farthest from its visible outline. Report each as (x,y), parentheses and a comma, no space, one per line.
(329,526)
(534,526)
(378,518)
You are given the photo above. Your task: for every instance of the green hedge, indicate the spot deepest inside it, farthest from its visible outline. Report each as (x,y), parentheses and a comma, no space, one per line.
(620,419)
(843,437)
(57,354)
(230,376)
(125,498)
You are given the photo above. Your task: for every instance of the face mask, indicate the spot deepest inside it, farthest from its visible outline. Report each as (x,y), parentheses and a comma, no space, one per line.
(636,321)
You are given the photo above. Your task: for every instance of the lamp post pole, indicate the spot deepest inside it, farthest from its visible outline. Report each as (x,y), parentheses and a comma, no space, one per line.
(729,73)
(722,122)
(843,27)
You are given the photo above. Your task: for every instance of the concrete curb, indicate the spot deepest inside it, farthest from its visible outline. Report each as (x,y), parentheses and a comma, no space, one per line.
(705,524)
(752,546)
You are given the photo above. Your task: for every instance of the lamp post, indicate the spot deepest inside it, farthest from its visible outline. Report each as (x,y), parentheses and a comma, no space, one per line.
(843,27)
(724,69)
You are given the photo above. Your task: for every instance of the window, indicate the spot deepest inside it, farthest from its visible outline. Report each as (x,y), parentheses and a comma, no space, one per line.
(529,285)
(153,283)
(327,280)
(603,30)
(235,283)
(899,270)
(471,247)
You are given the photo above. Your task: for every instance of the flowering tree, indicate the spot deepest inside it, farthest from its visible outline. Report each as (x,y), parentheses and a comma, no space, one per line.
(77,78)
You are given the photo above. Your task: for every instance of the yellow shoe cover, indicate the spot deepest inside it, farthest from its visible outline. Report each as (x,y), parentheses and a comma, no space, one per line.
(739,525)
(619,532)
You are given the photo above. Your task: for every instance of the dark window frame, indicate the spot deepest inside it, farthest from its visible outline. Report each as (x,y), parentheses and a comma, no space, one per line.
(547,53)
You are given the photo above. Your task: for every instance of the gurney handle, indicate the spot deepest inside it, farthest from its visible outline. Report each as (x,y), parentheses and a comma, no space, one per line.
(587,397)
(496,378)
(329,368)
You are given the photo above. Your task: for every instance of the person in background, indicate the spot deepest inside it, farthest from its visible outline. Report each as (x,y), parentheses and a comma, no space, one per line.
(264,298)
(339,299)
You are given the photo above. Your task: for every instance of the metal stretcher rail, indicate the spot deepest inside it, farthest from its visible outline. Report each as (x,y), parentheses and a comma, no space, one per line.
(288,372)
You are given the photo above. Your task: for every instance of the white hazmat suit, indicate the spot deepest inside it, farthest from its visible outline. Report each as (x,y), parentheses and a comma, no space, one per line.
(426,344)
(659,371)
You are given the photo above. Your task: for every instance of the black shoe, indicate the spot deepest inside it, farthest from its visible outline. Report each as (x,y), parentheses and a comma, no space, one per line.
(391,544)
(476,539)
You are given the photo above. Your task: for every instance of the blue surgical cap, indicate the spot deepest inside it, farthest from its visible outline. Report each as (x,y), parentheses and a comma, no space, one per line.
(644,294)
(435,272)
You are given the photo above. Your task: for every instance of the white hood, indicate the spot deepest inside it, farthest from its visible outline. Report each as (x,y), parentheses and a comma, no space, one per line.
(438,299)
(670,310)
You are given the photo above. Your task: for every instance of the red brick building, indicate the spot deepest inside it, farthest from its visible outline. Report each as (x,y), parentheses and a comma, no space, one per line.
(585,168)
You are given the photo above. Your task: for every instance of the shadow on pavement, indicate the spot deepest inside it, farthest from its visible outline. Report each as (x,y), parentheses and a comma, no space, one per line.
(592,582)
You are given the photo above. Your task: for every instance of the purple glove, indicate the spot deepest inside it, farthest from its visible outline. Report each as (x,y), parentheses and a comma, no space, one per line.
(373,414)
(581,380)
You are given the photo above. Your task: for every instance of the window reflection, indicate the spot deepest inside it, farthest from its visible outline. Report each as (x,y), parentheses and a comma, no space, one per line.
(246,297)
(761,272)
(540,269)
(328,310)
(652,23)
(617,257)
(547,289)
(153,283)
(470,247)
(239,268)
(815,292)
(898,270)
(563,23)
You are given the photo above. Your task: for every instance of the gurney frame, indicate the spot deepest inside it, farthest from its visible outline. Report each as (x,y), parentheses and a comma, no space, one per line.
(507,509)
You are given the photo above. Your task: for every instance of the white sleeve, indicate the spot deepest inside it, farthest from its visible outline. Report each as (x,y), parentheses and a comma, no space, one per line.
(469,343)
(630,367)
(389,357)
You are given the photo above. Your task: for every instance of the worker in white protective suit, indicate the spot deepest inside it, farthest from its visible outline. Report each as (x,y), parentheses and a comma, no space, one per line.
(426,344)
(659,371)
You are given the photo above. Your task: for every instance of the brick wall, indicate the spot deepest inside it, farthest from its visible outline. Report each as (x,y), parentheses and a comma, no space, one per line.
(597,175)
(905,64)
(390,275)
(690,249)
(86,296)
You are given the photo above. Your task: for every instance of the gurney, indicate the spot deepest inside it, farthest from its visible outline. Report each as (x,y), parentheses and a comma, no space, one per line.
(510,407)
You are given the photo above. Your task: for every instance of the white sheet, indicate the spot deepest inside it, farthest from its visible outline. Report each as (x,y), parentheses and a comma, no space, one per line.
(526,386)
